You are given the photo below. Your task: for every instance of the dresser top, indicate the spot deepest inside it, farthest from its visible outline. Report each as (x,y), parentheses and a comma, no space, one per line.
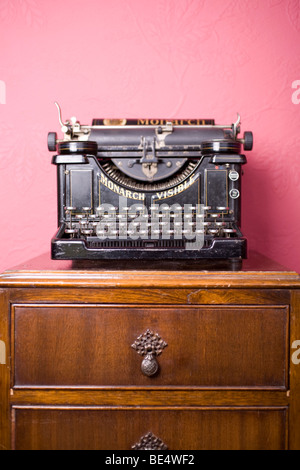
(256,271)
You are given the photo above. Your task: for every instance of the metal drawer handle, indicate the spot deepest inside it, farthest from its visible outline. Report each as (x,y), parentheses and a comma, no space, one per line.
(149,442)
(150,345)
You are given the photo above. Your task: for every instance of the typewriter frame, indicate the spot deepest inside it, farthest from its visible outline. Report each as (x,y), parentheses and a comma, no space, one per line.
(89,173)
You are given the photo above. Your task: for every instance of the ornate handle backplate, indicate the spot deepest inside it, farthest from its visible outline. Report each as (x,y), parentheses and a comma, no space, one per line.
(150,442)
(150,345)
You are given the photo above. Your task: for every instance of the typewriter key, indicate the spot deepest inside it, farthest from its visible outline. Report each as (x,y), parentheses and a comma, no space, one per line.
(87,232)
(69,210)
(228,231)
(71,231)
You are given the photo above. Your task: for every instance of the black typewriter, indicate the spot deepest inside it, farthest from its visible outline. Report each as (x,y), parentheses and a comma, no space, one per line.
(149,189)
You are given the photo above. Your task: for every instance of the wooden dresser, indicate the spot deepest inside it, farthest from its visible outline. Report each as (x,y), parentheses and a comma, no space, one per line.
(117,356)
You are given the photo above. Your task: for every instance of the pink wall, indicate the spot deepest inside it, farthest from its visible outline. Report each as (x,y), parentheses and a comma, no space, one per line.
(148,58)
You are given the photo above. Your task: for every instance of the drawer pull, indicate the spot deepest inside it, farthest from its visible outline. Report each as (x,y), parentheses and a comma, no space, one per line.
(150,345)
(150,442)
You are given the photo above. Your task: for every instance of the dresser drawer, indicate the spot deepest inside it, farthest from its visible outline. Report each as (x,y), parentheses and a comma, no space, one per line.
(206,346)
(173,429)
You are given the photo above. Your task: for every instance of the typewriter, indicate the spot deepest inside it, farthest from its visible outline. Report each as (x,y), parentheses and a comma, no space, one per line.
(150,189)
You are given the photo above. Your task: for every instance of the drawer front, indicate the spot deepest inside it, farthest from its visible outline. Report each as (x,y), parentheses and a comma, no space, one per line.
(91,345)
(122,429)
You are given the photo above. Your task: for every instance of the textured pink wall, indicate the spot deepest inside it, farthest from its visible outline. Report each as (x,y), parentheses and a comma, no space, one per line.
(148,58)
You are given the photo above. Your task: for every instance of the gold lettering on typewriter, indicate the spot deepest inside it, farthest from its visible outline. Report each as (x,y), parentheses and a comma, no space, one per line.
(178,189)
(121,191)
(175,122)
(141,196)
(114,122)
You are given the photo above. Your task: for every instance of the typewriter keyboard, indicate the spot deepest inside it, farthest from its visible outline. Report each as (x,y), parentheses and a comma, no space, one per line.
(148,228)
